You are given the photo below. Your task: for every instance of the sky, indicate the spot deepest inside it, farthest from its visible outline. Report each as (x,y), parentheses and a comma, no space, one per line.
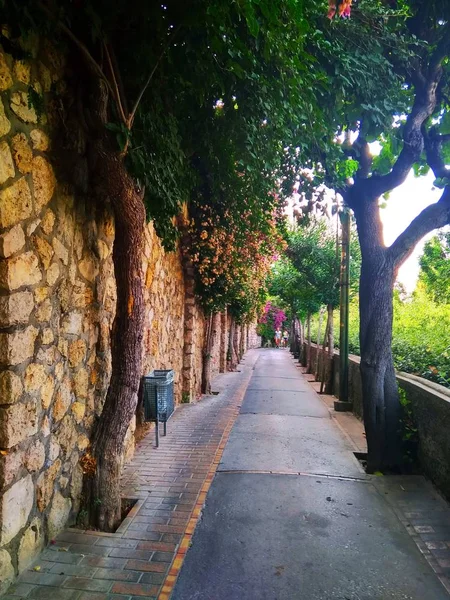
(403,205)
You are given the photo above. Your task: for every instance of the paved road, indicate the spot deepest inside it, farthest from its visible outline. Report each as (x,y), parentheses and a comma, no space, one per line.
(291,515)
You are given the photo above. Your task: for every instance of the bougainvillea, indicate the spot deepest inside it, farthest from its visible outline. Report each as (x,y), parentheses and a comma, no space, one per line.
(342,7)
(232,255)
(271,319)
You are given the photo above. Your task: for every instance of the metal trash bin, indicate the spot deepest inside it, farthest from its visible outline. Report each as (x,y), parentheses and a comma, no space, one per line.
(158,398)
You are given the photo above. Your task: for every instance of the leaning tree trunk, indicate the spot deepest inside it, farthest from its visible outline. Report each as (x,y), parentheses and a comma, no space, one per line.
(381,404)
(231,352)
(210,340)
(236,343)
(241,342)
(102,485)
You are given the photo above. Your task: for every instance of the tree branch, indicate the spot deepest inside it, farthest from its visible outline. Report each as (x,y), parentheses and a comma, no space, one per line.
(432,217)
(116,91)
(96,68)
(433,149)
(150,77)
(364,157)
(424,105)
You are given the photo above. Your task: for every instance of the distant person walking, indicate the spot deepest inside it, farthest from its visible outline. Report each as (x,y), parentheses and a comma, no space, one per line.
(285,339)
(278,335)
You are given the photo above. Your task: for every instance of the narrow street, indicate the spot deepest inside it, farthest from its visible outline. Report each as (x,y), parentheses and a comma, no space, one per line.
(255,494)
(292,515)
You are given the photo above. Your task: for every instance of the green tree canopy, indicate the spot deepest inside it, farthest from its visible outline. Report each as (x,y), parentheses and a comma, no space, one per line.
(435,268)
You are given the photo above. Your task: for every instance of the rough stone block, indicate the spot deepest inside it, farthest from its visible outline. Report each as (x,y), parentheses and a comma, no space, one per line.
(53,274)
(16,505)
(6,571)
(72,323)
(43,181)
(81,383)
(44,311)
(48,222)
(11,387)
(66,435)
(17,423)
(19,271)
(88,269)
(12,241)
(22,70)
(35,377)
(31,544)
(35,456)
(5,125)
(16,308)
(6,163)
(62,402)
(44,250)
(15,203)
(47,391)
(10,465)
(58,515)
(20,105)
(61,251)
(77,352)
(45,485)
(39,140)
(23,155)
(6,79)
(18,346)
(78,411)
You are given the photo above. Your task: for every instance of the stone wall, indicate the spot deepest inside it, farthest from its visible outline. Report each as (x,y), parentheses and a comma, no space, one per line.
(57,303)
(430,404)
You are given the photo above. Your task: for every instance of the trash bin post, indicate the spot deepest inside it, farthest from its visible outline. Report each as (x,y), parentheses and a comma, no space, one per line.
(158,399)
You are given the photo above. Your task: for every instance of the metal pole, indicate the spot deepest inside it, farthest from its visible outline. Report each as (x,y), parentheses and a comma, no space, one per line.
(344,305)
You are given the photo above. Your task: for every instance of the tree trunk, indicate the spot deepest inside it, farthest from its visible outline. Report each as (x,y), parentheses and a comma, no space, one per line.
(210,340)
(223,341)
(329,359)
(102,484)
(241,342)
(231,353)
(236,345)
(302,357)
(380,393)
(319,332)
(308,343)
(323,356)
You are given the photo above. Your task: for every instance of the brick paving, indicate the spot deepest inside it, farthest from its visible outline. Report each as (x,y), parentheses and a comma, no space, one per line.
(142,559)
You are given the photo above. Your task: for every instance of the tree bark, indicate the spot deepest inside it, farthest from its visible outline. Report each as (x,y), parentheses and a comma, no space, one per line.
(102,486)
(210,340)
(302,357)
(231,352)
(323,358)
(236,344)
(380,394)
(308,345)
(318,353)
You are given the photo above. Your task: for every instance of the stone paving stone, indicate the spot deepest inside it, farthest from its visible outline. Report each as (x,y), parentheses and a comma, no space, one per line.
(142,565)
(137,589)
(53,593)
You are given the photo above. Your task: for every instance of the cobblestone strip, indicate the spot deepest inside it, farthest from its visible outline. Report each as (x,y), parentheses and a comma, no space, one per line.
(142,559)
